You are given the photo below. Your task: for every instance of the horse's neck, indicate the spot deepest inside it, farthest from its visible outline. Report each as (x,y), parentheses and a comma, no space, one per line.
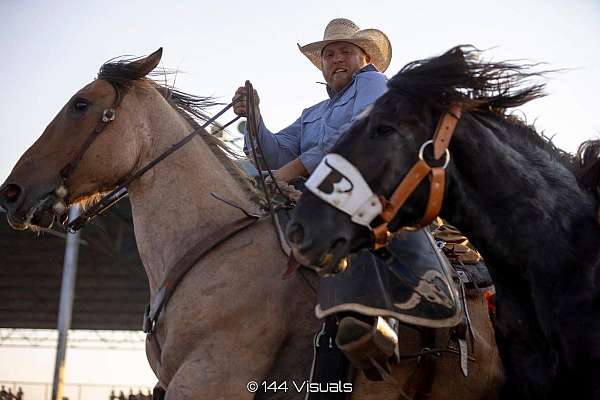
(171,204)
(519,205)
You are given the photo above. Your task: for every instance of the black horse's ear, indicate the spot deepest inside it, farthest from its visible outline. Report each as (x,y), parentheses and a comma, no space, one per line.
(144,65)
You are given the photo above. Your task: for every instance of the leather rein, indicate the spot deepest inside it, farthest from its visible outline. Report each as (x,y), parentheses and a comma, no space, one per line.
(184,264)
(109,115)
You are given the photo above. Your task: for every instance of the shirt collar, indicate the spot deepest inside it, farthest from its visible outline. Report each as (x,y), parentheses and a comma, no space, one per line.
(366,68)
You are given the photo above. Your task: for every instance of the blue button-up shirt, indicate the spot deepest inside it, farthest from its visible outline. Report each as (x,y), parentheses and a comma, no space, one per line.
(319,127)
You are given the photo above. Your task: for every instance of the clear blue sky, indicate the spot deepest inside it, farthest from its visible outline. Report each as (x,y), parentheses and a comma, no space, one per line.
(50,49)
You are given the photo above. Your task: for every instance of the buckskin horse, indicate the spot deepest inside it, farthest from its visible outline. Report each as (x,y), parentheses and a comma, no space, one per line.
(531,209)
(231,319)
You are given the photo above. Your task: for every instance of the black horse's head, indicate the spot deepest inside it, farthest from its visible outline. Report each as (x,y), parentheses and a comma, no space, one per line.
(385,142)
(382,145)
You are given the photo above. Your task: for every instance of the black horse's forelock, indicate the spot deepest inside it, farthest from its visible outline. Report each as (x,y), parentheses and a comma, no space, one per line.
(460,76)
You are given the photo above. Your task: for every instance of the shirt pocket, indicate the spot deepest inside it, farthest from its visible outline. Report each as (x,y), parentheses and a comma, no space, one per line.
(341,110)
(312,131)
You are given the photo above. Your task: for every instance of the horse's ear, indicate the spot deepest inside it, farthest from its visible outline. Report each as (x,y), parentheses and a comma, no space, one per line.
(144,65)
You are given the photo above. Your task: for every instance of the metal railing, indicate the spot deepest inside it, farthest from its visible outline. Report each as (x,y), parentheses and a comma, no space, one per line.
(75,391)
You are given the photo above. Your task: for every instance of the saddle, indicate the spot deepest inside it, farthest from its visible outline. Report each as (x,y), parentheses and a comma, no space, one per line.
(411,281)
(465,259)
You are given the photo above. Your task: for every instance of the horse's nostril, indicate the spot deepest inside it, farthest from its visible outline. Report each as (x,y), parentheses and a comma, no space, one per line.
(11,192)
(295,234)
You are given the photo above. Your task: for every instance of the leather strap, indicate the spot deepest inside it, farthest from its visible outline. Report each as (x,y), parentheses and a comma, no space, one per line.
(419,384)
(121,190)
(182,267)
(108,115)
(445,130)
(406,187)
(441,140)
(436,196)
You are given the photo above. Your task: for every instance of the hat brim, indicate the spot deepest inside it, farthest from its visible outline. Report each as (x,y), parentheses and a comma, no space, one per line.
(372,41)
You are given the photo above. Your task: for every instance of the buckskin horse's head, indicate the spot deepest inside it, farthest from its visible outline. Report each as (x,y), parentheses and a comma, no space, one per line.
(92,143)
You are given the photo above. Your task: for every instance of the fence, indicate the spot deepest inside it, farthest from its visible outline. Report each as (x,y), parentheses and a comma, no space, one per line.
(73,391)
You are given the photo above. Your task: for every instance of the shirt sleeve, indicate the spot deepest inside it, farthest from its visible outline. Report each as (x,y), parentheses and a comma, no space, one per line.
(369,87)
(278,148)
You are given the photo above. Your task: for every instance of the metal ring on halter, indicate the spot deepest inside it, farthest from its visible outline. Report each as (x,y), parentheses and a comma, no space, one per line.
(422,150)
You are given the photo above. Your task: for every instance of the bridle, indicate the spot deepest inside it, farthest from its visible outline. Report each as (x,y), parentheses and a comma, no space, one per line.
(189,259)
(108,115)
(364,206)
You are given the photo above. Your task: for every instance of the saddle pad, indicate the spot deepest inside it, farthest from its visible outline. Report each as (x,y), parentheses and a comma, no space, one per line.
(411,283)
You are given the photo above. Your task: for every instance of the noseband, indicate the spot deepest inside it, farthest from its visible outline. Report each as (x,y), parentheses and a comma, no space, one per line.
(339,183)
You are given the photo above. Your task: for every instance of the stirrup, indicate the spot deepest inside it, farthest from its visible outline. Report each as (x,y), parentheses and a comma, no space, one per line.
(368,347)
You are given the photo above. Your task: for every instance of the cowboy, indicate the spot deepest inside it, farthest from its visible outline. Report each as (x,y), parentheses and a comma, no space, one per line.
(352,62)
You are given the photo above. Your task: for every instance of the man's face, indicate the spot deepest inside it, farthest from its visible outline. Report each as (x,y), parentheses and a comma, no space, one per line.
(340,61)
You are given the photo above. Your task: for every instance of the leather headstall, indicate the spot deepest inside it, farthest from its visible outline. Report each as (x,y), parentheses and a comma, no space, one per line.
(62,192)
(421,169)
(108,115)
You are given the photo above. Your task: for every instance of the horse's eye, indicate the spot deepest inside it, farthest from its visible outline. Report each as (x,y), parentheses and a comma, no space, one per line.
(81,104)
(384,130)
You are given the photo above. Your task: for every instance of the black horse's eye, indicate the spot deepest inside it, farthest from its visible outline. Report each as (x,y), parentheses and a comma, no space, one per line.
(81,104)
(384,130)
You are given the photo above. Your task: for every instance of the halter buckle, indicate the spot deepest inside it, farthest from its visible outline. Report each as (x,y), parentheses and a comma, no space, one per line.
(382,236)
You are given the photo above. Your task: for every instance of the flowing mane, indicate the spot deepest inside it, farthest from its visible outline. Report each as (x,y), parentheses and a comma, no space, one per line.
(461,76)
(123,72)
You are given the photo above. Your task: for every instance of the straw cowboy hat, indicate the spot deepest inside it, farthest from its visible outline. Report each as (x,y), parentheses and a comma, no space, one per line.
(373,42)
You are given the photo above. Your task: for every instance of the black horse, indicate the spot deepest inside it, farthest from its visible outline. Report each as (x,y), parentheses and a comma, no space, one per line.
(531,209)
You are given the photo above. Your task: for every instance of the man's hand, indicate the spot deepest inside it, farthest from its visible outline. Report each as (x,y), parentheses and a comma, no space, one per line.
(288,190)
(239,102)
(291,170)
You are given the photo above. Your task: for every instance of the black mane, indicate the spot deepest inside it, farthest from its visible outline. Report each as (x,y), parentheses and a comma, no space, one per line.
(461,76)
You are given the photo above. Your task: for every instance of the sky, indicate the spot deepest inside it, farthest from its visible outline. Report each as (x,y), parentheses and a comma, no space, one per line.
(49,50)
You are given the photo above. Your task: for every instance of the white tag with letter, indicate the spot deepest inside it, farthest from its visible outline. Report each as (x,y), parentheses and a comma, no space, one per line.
(337,182)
